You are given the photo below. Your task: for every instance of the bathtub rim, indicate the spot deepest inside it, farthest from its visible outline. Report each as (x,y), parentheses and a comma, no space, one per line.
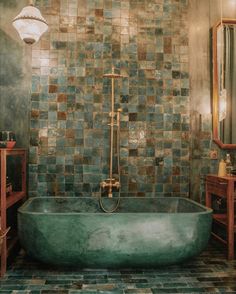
(22,208)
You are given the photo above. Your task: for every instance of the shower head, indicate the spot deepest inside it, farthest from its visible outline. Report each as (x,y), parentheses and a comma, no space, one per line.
(113,76)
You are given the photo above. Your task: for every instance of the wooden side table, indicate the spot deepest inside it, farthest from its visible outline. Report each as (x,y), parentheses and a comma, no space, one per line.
(10,200)
(223,187)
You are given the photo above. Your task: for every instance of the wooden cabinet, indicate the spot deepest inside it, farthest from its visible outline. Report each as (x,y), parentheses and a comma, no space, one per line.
(223,188)
(10,200)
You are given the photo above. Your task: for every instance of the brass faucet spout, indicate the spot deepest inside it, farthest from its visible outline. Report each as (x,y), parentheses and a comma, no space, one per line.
(110,183)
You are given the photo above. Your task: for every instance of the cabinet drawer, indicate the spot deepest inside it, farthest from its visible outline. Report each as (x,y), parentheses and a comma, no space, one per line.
(217,186)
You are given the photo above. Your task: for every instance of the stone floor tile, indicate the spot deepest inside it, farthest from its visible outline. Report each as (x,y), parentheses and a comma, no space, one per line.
(211,272)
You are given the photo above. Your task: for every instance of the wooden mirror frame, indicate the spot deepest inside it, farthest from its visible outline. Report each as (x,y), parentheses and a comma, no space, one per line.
(215,90)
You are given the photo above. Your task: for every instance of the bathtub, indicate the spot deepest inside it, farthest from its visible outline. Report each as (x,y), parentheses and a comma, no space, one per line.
(144,232)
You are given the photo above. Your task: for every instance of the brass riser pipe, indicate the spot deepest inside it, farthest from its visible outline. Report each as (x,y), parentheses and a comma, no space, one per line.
(112,135)
(111,183)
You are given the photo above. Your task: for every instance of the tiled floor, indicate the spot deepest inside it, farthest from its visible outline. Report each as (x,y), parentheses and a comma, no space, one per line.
(208,273)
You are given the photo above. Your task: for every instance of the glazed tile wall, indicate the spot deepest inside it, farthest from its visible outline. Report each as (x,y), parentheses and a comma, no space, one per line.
(146,41)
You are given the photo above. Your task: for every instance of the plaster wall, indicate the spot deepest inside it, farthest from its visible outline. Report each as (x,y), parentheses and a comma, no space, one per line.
(15,75)
(202,16)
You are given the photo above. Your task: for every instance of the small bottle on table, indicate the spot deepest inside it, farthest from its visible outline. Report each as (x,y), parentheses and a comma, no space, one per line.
(229,166)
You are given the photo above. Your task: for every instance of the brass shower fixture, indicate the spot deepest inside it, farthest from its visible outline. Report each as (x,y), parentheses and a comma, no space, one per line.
(111,182)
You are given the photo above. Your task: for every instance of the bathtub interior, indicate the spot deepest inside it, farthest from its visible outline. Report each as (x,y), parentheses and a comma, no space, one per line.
(127,205)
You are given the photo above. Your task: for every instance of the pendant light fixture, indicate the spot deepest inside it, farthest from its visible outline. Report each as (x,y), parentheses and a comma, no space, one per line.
(30,24)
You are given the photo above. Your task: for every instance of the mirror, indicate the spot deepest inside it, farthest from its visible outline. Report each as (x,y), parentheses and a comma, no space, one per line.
(224,83)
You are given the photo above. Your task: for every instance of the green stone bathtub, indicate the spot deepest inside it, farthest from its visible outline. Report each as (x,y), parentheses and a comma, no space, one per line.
(143,232)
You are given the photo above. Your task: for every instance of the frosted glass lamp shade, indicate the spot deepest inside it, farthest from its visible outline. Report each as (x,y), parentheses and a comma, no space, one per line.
(30,24)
